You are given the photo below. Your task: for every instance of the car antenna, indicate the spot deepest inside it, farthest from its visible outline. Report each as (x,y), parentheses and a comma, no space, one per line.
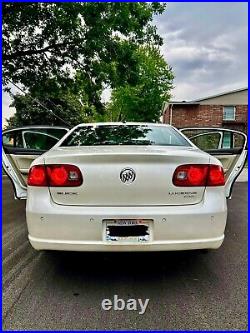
(39,103)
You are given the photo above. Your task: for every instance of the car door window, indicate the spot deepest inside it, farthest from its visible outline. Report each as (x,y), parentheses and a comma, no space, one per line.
(38,141)
(13,139)
(230,149)
(21,146)
(233,140)
(238,140)
(9,139)
(227,140)
(19,140)
(207,141)
(215,139)
(29,140)
(56,132)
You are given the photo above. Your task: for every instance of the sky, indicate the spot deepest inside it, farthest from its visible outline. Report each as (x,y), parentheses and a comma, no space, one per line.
(204,43)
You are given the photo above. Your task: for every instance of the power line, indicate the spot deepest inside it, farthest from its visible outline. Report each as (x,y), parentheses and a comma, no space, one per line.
(39,103)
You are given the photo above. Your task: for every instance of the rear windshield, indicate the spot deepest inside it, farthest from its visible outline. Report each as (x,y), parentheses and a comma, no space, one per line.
(124,135)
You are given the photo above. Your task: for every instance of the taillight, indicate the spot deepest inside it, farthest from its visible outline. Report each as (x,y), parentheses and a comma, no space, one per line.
(215,176)
(57,175)
(37,176)
(198,175)
(63,175)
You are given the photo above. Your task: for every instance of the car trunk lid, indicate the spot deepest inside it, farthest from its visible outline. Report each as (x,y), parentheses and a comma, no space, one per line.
(101,167)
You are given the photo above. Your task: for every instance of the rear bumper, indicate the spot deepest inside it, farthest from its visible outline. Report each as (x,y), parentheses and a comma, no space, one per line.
(75,228)
(50,244)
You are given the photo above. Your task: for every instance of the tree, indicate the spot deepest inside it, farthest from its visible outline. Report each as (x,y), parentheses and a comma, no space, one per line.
(64,43)
(143,101)
(62,108)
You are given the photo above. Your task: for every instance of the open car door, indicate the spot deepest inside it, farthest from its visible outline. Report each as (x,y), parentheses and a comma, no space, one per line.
(20,146)
(228,146)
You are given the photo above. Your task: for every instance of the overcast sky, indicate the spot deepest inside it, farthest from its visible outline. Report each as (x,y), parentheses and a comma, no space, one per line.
(206,45)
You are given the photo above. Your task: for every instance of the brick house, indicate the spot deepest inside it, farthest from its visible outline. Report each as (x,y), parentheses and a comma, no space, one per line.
(228,110)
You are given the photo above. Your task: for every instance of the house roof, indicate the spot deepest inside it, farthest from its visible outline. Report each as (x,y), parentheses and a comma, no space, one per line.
(221,94)
(196,101)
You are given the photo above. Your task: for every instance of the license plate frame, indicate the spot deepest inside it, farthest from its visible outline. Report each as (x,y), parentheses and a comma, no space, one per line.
(138,239)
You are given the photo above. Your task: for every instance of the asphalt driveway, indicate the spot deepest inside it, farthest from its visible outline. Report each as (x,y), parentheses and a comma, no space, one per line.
(187,290)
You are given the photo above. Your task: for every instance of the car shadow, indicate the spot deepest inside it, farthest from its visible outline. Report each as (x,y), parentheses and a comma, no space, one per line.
(123,265)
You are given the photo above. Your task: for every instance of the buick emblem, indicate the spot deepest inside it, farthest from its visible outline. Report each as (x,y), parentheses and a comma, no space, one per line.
(127,175)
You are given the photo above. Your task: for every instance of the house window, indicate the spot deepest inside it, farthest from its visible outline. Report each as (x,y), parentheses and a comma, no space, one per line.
(229,113)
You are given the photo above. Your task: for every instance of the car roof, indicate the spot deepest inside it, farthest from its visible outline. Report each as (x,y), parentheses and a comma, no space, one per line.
(122,124)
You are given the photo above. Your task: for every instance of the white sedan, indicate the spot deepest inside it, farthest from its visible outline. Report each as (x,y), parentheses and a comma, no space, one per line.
(124,186)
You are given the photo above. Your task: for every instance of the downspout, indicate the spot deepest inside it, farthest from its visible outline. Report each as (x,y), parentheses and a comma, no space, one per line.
(170,114)
(163,108)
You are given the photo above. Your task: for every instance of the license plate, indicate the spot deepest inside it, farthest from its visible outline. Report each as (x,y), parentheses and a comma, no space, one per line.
(127,230)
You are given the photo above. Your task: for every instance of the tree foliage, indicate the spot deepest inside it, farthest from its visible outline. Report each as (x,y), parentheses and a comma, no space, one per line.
(65,54)
(54,40)
(60,108)
(143,101)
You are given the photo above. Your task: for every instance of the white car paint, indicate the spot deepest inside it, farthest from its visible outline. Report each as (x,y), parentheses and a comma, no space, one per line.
(59,227)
